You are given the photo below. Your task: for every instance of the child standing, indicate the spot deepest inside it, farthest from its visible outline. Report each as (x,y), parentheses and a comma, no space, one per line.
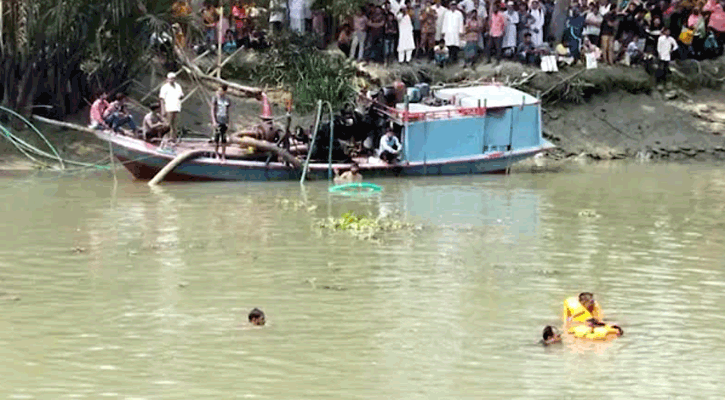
(666,44)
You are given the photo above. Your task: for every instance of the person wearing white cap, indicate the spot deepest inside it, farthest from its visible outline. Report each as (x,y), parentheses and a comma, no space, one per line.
(512,18)
(537,27)
(170,95)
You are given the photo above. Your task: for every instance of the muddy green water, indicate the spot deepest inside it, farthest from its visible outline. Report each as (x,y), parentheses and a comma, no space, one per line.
(139,294)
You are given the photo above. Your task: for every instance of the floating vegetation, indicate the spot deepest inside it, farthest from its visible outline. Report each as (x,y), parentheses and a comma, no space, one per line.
(365,227)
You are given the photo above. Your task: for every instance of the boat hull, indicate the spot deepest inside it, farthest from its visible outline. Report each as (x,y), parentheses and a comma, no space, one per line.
(144,161)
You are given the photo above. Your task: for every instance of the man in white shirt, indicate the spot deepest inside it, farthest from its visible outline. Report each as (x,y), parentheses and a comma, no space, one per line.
(453,29)
(666,44)
(440,12)
(170,95)
(537,28)
(389,147)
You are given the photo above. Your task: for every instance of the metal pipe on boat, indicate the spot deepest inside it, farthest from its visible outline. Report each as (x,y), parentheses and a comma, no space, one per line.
(405,125)
(312,142)
(538,128)
(332,141)
(485,119)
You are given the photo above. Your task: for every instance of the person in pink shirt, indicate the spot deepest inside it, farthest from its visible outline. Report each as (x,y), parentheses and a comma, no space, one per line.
(238,14)
(98,108)
(496,27)
(717,18)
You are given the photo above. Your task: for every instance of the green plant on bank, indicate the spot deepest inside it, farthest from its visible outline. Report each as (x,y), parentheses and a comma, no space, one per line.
(296,64)
(339,8)
(365,227)
(57,53)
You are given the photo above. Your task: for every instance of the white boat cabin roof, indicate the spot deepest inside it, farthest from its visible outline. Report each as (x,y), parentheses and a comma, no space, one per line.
(494,96)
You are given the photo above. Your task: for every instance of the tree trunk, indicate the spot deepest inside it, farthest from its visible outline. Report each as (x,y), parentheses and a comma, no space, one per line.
(558,19)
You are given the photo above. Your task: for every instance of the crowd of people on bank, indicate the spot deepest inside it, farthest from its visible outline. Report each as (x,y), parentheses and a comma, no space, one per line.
(450,32)
(627,31)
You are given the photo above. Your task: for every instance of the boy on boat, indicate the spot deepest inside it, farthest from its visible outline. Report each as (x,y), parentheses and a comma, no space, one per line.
(116,115)
(220,120)
(98,108)
(256,317)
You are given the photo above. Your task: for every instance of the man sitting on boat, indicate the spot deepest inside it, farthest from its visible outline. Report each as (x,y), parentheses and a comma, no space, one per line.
(98,108)
(578,310)
(154,126)
(351,176)
(117,116)
(389,147)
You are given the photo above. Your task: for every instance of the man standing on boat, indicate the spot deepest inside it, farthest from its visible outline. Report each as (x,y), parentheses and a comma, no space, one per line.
(220,120)
(389,147)
(170,95)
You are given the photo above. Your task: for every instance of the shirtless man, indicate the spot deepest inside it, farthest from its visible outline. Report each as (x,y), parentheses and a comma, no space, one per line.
(351,176)
(154,125)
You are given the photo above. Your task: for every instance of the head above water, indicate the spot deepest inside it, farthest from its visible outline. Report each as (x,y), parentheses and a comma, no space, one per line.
(256,317)
(550,335)
(355,169)
(586,299)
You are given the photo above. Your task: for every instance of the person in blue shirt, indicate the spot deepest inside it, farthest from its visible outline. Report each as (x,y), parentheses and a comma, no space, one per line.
(390,147)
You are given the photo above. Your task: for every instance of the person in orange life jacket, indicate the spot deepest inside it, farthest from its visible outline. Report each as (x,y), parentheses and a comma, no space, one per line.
(596,330)
(389,147)
(579,309)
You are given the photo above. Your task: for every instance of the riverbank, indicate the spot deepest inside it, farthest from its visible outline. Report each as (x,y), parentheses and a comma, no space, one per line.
(613,112)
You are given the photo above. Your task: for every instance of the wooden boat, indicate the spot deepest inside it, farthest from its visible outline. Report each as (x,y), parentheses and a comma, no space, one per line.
(482,129)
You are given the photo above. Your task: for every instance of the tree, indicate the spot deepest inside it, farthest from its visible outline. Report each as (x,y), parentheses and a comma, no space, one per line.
(558,19)
(58,52)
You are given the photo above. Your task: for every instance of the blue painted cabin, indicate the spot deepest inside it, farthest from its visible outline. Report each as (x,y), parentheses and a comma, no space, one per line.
(477,120)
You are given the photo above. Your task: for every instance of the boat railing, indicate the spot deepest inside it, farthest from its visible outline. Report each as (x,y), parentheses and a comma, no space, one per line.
(403,116)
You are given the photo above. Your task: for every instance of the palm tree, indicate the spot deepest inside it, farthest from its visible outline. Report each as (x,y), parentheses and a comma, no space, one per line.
(57,52)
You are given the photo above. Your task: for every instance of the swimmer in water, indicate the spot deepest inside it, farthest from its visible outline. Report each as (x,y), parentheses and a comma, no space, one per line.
(579,309)
(256,317)
(551,336)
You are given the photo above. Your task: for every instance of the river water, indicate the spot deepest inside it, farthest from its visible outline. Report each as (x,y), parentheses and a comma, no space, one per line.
(122,292)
